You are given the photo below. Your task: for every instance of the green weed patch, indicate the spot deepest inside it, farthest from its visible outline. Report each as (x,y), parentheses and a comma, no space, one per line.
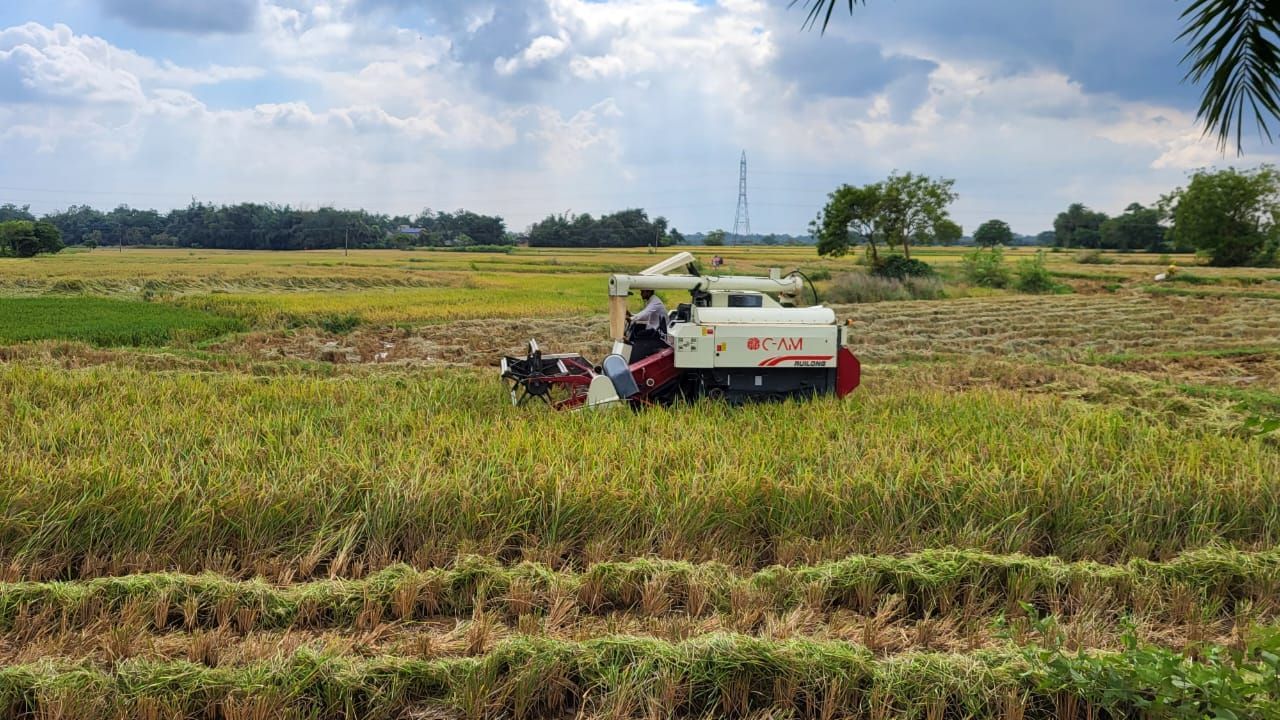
(107,321)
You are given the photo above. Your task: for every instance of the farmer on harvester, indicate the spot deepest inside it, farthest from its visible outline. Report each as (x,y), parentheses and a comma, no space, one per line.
(647,332)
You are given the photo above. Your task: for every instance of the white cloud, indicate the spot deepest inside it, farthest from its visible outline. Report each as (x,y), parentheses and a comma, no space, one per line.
(54,62)
(588,137)
(542,49)
(572,103)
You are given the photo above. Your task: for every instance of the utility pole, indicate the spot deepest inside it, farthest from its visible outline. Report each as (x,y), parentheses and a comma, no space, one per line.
(741,220)
(346,236)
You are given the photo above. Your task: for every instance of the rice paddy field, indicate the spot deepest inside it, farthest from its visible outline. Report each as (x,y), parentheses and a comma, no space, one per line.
(256,485)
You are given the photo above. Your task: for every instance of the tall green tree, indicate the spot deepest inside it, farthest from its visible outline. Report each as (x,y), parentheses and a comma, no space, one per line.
(948,232)
(851,216)
(914,207)
(48,237)
(24,238)
(1234,54)
(904,209)
(1079,227)
(1139,228)
(1231,216)
(9,211)
(271,227)
(625,228)
(714,238)
(992,233)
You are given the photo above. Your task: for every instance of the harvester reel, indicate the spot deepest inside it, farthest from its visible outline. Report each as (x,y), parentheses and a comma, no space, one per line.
(558,380)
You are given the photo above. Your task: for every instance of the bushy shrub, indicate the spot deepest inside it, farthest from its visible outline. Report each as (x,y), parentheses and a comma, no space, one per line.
(986,268)
(1093,257)
(1034,277)
(861,287)
(817,274)
(901,268)
(337,323)
(25,238)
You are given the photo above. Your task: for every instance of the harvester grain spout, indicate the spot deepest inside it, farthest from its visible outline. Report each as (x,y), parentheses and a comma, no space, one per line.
(739,337)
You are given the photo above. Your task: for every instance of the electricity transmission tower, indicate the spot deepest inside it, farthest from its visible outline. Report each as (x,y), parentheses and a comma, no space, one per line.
(741,220)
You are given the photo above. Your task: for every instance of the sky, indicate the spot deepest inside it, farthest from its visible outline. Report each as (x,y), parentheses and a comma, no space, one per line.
(527,108)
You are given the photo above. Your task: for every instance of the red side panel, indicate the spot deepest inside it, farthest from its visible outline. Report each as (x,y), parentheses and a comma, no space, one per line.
(848,372)
(655,371)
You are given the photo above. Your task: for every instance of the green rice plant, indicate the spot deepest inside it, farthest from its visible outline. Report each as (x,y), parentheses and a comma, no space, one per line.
(104,321)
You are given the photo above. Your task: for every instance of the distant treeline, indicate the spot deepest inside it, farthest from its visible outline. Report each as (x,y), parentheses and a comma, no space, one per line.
(627,228)
(721,237)
(1138,228)
(254,226)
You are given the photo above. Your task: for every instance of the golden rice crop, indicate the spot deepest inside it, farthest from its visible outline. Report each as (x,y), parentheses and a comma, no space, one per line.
(1035,507)
(108,469)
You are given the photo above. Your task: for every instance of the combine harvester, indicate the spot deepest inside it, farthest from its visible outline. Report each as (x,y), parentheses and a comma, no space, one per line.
(738,339)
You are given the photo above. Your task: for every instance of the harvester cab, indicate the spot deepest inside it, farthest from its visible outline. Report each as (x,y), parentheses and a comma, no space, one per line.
(739,338)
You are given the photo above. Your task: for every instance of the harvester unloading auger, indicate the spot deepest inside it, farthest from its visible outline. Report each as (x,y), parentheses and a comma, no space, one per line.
(738,338)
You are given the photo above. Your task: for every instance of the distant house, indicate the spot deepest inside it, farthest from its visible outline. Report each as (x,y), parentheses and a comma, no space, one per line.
(408,230)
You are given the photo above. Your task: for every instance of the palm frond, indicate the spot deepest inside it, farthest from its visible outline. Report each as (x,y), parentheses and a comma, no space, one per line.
(821,10)
(1234,53)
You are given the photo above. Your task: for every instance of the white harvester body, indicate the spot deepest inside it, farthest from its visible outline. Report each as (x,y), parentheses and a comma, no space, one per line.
(739,337)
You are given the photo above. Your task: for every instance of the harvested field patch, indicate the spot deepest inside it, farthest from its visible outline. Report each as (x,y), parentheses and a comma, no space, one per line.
(1052,328)
(885,633)
(1059,328)
(461,342)
(1252,369)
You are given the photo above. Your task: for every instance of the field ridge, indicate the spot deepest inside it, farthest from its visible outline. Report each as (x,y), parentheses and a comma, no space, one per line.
(1207,582)
(722,674)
